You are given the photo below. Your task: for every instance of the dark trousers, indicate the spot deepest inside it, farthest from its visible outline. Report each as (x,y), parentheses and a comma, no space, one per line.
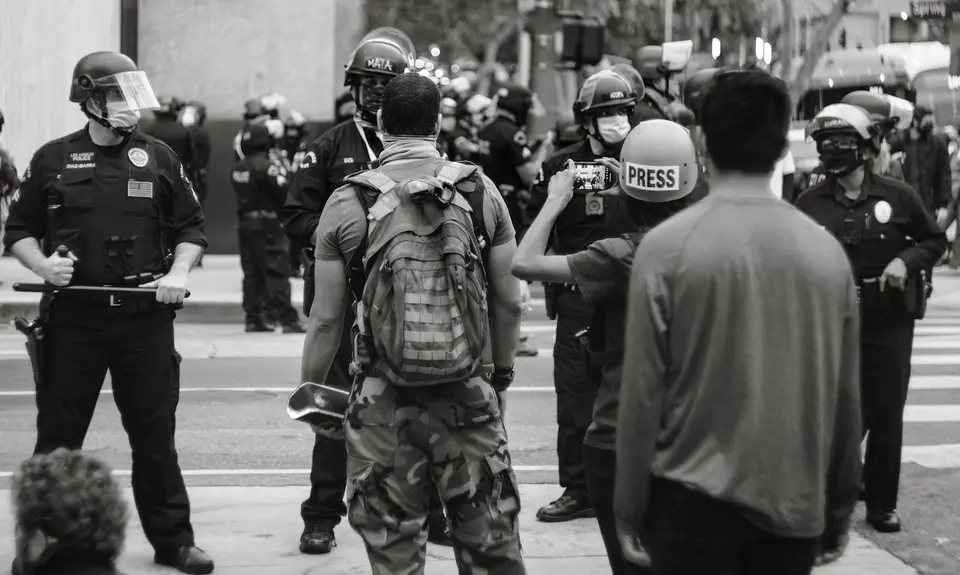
(295,261)
(886,346)
(692,534)
(265,260)
(576,389)
(137,348)
(601,467)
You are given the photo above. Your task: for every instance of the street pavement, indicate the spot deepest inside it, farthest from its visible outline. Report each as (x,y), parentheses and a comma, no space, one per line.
(247,465)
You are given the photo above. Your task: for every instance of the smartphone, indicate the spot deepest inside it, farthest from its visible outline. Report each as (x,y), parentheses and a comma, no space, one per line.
(592,177)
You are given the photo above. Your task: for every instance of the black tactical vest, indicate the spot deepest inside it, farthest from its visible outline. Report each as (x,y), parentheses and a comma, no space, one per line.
(108,212)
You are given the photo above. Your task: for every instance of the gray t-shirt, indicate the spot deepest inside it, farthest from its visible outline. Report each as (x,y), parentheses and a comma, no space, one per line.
(741,378)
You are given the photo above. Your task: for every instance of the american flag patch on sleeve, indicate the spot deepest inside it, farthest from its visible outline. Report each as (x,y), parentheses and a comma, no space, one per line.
(137,189)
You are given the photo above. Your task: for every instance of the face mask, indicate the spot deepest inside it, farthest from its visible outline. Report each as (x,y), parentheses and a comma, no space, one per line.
(841,163)
(614,129)
(448,124)
(119,119)
(189,117)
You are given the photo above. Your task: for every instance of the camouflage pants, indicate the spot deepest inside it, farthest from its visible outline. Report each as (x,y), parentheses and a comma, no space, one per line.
(402,442)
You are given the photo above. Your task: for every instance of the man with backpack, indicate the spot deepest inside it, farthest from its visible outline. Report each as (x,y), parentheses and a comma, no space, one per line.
(423,248)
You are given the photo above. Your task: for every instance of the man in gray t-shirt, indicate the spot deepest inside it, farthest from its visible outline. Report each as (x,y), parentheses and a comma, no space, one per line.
(738,432)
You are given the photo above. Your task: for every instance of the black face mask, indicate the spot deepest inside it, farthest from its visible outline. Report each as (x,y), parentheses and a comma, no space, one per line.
(841,162)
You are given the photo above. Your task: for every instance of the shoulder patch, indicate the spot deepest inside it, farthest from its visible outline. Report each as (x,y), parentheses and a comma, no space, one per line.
(309,160)
(520,138)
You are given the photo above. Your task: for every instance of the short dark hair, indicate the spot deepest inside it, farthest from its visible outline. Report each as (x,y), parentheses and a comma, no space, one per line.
(745,117)
(411,103)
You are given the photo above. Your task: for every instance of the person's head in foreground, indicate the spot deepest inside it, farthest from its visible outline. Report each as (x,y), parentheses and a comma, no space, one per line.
(411,108)
(67,508)
(744,119)
(658,168)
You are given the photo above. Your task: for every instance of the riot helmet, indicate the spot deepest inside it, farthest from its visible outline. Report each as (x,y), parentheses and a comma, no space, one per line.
(632,75)
(649,62)
(194,113)
(846,137)
(294,128)
(477,108)
(111,91)
(256,138)
(169,106)
(374,63)
(695,89)
(253,109)
(517,101)
(397,37)
(604,107)
(271,103)
(658,162)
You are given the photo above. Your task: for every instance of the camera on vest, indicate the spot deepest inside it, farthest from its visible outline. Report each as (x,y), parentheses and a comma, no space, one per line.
(851,232)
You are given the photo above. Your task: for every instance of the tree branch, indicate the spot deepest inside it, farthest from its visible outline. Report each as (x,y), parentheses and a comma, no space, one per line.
(799,84)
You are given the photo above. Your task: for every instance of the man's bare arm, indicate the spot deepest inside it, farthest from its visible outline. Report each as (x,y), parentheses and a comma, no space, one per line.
(506,308)
(325,326)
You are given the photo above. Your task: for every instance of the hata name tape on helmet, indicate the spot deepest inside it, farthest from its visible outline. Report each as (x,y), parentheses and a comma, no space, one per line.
(653,178)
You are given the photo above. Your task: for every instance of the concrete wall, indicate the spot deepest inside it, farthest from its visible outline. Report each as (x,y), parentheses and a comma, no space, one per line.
(40,41)
(223,52)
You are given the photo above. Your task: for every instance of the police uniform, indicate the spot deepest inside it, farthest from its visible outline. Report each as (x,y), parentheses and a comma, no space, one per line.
(887,221)
(345,149)
(585,220)
(503,149)
(118,209)
(261,185)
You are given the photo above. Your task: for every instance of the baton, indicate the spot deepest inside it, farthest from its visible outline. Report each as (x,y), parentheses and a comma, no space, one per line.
(50,288)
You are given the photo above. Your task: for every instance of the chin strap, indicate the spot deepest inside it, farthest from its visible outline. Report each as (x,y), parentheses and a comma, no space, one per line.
(119,132)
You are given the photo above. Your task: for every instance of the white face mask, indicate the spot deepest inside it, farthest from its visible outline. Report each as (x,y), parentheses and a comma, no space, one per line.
(122,119)
(613,129)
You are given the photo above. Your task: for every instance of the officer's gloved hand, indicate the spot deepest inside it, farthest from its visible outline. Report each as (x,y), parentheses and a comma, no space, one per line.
(58,269)
(332,431)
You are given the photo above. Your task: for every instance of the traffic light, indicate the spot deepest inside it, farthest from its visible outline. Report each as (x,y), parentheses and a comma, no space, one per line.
(583,40)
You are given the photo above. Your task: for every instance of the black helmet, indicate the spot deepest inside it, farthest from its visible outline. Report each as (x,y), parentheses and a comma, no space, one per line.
(395,36)
(253,108)
(603,91)
(632,76)
(255,137)
(93,68)
(649,62)
(169,106)
(695,88)
(516,100)
(844,119)
(379,58)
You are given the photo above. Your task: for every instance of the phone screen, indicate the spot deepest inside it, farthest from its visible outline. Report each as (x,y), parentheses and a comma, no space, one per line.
(591,177)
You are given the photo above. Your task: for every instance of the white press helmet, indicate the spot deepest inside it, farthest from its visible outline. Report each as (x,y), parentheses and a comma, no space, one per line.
(658,162)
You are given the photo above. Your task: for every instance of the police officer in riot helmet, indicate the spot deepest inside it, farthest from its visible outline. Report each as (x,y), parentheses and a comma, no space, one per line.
(261,186)
(171,132)
(193,116)
(448,127)
(888,113)
(602,111)
(253,111)
(89,213)
(349,147)
(655,101)
(890,239)
(505,154)
(636,80)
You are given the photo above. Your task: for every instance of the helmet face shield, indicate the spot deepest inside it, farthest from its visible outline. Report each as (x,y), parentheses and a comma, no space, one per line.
(126,92)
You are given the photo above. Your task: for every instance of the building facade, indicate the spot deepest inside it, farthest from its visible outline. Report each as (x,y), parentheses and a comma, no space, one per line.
(220,52)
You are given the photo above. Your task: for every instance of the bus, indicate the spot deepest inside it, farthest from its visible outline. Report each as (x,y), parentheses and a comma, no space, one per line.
(841,72)
(928,65)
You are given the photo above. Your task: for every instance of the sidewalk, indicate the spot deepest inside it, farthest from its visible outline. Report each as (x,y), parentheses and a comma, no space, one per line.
(215,292)
(255,530)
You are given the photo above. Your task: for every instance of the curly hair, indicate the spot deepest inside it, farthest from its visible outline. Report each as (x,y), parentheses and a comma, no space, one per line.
(74,498)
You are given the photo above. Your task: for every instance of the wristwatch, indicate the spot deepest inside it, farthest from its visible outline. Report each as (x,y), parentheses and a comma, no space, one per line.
(502,377)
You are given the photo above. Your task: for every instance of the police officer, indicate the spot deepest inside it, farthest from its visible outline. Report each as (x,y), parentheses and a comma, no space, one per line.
(655,101)
(347,148)
(255,111)
(504,154)
(890,239)
(193,116)
(261,186)
(448,127)
(294,148)
(888,113)
(119,201)
(602,111)
(171,132)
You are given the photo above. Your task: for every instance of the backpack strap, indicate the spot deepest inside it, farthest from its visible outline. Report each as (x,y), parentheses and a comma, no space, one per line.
(360,182)
(460,176)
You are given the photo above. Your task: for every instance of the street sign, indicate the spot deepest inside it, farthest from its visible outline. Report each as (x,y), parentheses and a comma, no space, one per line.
(934,9)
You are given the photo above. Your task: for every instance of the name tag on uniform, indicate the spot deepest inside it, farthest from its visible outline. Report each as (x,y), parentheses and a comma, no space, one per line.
(137,189)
